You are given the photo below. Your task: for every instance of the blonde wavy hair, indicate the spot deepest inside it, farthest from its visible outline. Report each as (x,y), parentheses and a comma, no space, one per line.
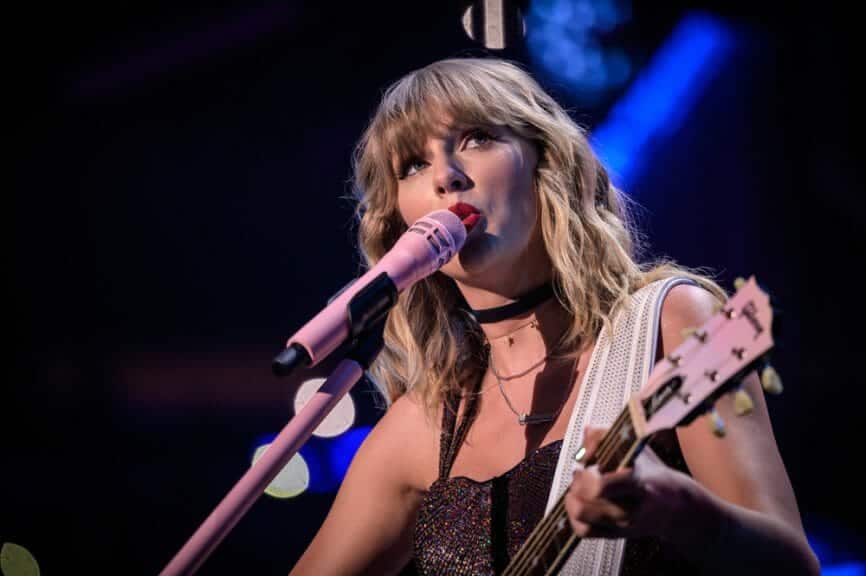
(432,346)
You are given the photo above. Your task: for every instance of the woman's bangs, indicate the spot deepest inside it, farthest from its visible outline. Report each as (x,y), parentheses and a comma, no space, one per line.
(429,105)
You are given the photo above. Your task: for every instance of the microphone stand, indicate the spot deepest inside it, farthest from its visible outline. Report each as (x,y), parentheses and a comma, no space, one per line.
(366,313)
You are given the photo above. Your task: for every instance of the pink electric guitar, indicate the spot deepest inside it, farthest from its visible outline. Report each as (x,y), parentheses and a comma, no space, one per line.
(685,385)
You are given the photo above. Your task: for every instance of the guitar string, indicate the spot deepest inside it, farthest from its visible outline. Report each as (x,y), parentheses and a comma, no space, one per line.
(551,521)
(539,536)
(557,515)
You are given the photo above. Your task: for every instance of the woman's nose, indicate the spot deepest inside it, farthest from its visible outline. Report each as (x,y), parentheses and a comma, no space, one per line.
(449,177)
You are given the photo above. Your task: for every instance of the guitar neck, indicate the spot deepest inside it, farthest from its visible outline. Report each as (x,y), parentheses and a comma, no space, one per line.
(552,541)
(709,363)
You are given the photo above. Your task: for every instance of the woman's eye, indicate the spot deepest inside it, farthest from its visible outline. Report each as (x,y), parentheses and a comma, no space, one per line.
(479,137)
(411,167)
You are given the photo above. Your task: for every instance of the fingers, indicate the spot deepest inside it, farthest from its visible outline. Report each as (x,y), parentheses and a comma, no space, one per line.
(587,483)
(592,437)
(633,502)
(596,518)
(589,511)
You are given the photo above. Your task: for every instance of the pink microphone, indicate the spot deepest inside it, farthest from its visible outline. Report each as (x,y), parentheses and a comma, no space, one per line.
(428,244)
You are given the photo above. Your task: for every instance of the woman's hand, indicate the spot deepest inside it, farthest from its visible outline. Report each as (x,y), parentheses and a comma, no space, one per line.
(649,499)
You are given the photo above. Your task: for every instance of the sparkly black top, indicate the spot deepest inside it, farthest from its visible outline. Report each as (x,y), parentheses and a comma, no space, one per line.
(474,528)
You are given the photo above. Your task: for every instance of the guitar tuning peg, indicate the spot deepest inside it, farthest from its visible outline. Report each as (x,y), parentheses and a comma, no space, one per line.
(717,425)
(689,332)
(739,282)
(770,380)
(743,403)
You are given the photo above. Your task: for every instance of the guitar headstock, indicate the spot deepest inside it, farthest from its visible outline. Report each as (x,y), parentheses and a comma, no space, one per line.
(711,362)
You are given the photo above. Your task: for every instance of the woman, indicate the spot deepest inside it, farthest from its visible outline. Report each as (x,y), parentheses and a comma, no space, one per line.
(487,360)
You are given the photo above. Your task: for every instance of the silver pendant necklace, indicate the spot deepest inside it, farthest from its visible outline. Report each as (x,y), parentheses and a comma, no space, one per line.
(524,418)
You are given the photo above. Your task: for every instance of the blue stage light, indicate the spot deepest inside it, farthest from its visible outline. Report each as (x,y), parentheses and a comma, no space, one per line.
(343,448)
(564,41)
(662,95)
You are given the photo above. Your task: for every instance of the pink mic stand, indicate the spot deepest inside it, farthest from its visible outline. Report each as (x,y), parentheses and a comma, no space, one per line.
(251,485)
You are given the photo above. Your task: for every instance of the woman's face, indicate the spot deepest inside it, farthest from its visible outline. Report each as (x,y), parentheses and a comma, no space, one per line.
(492,169)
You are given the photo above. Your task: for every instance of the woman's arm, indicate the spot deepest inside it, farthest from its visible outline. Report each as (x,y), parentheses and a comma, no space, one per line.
(736,514)
(752,498)
(369,527)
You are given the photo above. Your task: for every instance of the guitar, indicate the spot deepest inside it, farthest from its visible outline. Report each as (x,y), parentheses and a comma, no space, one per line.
(710,363)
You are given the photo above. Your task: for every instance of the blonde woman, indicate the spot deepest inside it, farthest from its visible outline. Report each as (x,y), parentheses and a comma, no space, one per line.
(491,361)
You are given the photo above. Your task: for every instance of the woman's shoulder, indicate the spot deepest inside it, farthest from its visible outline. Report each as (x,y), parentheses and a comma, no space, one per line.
(687,305)
(409,433)
(410,411)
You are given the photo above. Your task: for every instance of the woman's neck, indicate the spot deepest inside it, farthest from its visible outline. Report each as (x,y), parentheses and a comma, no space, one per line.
(524,339)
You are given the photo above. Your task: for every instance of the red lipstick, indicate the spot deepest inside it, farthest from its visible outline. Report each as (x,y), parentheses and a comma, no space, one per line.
(468,214)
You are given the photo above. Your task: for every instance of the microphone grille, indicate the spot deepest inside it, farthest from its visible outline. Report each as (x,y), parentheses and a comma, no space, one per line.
(452,224)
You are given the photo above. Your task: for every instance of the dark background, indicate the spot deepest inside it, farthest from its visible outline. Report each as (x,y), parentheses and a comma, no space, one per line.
(178,210)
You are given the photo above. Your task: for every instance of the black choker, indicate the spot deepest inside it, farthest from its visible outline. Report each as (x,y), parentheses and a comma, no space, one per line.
(524,303)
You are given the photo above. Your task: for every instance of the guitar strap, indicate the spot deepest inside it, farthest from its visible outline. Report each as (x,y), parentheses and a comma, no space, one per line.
(618,367)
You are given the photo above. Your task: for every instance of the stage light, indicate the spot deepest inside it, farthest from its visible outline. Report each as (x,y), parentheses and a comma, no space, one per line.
(291,481)
(342,450)
(497,24)
(849,569)
(564,41)
(662,95)
(338,420)
(16,560)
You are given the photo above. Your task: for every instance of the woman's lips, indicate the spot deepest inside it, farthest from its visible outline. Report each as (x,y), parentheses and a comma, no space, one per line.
(469,215)
(471,220)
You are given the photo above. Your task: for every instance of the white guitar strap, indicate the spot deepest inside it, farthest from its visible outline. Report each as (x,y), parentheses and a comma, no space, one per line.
(617,368)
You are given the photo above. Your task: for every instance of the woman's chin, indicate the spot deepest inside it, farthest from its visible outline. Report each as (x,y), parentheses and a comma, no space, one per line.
(473,258)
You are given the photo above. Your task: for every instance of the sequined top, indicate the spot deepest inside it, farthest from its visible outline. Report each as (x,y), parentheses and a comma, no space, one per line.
(469,527)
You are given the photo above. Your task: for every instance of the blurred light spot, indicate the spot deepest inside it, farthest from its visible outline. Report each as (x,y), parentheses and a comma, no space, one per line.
(291,481)
(467,22)
(494,23)
(850,569)
(16,560)
(662,95)
(325,461)
(839,549)
(564,40)
(317,453)
(343,450)
(338,420)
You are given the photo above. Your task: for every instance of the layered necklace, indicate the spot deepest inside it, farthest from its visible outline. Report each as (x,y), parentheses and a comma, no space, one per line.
(522,304)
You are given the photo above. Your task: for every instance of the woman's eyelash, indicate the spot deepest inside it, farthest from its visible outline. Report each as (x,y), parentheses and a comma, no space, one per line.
(476,132)
(473,133)
(404,167)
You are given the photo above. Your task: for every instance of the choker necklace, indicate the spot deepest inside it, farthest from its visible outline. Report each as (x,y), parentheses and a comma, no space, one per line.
(523,304)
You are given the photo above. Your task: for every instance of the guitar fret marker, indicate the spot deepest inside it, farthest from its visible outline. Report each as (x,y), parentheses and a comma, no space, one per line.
(580,454)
